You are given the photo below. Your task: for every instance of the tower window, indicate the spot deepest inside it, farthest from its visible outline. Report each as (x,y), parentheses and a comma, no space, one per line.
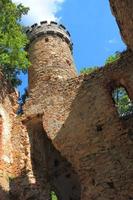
(46,39)
(68,62)
(122,102)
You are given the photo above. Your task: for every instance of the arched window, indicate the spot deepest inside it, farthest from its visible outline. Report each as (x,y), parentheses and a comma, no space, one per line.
(122,102)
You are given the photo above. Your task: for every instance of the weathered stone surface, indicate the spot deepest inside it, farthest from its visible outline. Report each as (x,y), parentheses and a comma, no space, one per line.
(123,11)
(71,139)
(80,118)
(101,157)
(17,180)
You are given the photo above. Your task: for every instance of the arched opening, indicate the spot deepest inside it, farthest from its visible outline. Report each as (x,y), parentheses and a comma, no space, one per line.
(122,102)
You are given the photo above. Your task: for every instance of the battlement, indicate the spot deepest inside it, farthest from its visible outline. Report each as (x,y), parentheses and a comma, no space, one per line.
(49,28)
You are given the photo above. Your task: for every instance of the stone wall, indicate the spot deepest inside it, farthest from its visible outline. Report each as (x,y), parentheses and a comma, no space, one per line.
(123,11)
(52,171)
(80,117)
(17,180)
(78,114)
(71,139)
(93,137)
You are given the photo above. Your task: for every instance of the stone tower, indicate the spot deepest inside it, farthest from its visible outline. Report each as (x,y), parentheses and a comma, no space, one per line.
(50,53)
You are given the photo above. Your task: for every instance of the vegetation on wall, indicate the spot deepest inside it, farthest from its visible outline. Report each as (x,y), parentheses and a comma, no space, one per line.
(122,102)
(112,58)
(109,60)
(88,70)
(13,40)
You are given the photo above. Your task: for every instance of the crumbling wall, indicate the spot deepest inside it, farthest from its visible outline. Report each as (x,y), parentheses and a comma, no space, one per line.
(52,171)
(80,117)
(123,11)
(72,140)
(17,180)
(93,137)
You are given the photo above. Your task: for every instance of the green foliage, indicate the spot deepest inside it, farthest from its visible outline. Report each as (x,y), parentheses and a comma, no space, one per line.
(53,196)
(122,102)
(88,70)
(13,40)
(120,96)
(112,58)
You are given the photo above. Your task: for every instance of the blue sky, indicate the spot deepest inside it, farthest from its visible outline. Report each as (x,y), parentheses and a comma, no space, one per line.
(92,26)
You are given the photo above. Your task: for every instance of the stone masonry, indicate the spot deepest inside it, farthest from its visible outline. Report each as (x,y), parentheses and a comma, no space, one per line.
(123,10)
(70,139)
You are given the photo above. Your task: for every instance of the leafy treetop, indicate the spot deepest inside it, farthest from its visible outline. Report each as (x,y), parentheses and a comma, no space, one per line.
(13,40)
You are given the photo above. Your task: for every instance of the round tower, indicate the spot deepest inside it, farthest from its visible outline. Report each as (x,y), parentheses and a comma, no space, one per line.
(50,53)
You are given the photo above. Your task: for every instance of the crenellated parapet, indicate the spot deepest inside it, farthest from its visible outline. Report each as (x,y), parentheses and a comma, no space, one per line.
(45,28)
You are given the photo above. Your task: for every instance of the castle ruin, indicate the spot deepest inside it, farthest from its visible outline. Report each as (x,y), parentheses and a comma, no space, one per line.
(70,139)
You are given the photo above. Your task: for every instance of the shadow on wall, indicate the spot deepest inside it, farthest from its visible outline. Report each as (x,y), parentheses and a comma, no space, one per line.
(53,173)
(3,194)
(49,167)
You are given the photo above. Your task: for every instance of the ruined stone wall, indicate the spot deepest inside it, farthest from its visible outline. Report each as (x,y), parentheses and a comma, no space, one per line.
(72,140)
(17,180)
(52,171)
(80,117)
(5,132)
(93,137)
(123,11)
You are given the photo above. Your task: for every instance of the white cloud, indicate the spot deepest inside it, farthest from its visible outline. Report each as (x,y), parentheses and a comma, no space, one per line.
(41,10)
(112,41)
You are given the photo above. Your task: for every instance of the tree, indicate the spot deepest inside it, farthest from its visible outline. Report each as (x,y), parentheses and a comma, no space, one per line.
(21,101)
(122,102)
(13,40)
